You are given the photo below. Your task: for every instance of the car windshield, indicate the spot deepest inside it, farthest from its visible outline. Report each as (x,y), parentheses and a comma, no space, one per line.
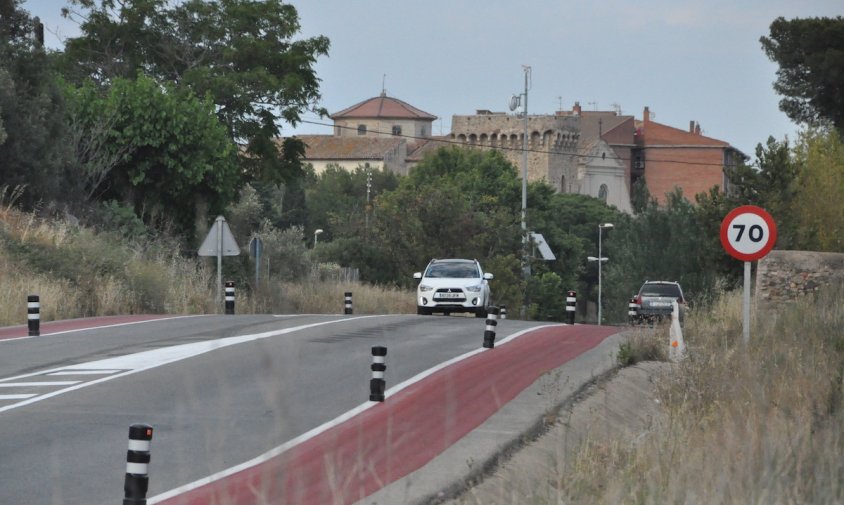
(667,290)
(453,271)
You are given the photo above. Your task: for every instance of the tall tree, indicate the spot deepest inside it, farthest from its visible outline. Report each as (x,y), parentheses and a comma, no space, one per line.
(770,183)
(173,153)
(819,201)
(241,53)
(810,54)
(31,112)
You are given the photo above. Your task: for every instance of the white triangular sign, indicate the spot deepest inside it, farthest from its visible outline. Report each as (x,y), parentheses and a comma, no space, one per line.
(209,245)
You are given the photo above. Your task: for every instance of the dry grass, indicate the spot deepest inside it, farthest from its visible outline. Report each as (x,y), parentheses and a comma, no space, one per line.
(762,424)
(78,273)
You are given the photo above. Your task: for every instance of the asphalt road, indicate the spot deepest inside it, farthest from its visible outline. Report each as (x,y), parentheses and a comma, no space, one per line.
(219,390)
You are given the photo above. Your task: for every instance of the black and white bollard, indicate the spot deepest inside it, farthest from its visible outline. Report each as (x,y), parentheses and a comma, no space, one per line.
(503,312)
(377,385)
(229,297)
(347,302)
(137,465)
(491,323)
(33,315)
(632,310)
(571,305)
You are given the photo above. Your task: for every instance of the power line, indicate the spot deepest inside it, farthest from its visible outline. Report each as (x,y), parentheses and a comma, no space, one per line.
(505,148)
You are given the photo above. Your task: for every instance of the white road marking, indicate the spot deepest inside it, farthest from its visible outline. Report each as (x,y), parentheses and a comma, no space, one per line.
(85,372)
(121,366)
(15,397)
(263,458)
(42,383)
(101,327)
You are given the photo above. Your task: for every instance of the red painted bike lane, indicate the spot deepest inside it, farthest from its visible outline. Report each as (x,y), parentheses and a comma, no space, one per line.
(78,324)
(352,460)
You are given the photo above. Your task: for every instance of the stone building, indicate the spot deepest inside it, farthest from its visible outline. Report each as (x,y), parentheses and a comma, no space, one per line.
(573,151)
(595,153)
(383,131)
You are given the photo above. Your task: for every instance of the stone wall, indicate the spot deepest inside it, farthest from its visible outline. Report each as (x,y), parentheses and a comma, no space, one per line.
(784,276)
(552,143)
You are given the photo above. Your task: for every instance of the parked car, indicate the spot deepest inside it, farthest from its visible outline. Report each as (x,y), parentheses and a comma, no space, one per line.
(655,302)
(453,285)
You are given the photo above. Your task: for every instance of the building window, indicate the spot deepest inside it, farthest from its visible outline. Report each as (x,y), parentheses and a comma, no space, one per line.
(423,132)
(396,129)
(563,184)
(603,192)
(361,129)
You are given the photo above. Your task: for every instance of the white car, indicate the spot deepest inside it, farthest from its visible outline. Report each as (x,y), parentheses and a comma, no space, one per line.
(453,285)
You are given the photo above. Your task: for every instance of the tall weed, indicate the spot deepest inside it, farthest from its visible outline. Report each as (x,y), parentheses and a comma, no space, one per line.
(762,423)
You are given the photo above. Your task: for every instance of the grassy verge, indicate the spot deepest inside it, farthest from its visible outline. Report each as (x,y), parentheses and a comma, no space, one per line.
(80,273)
(761,424)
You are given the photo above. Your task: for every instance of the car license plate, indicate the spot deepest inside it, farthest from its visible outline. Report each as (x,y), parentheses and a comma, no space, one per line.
(449,295)
(660,304)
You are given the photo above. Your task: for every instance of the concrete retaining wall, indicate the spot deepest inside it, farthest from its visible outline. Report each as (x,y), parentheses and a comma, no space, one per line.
(784,276)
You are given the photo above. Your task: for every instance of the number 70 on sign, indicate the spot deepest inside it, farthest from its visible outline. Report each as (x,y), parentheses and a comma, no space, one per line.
(748,233)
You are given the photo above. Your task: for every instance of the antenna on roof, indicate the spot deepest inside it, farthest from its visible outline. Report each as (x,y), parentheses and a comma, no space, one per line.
(383,85)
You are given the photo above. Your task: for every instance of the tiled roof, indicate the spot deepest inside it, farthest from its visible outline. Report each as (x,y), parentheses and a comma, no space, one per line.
(418,149)
(383,107)
(330,147)
(660,134)
(594,124)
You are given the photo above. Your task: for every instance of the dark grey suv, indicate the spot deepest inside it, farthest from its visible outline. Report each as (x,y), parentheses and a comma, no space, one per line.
(654,302)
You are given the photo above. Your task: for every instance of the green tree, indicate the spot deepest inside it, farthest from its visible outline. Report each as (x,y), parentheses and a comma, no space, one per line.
(669,243)
(810,54)
(769,183)
(819,202)
(337,199)
(455,203)
(241,53)
(176,157)
(31,113)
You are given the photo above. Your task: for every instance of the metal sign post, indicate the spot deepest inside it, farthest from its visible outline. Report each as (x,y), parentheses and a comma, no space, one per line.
(219,242)
(256,247)
(748,233)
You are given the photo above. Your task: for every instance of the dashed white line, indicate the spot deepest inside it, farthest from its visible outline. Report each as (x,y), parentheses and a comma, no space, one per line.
(16,397)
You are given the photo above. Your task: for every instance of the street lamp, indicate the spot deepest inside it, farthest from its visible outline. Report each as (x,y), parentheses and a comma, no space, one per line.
(600,259)
(316,234)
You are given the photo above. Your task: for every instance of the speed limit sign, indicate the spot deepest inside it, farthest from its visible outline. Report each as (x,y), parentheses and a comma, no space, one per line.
(748,233)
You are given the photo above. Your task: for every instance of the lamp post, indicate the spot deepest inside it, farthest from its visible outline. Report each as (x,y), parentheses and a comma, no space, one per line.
(316,234)
(600,259)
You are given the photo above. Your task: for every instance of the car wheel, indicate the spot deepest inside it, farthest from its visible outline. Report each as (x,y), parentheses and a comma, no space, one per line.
(481,313)
(423,311)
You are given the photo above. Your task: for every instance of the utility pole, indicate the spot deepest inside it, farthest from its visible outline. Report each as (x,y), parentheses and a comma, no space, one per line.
(515,101)
(368,190)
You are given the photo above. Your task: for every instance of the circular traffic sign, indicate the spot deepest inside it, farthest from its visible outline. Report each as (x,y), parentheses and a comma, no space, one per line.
(748,233)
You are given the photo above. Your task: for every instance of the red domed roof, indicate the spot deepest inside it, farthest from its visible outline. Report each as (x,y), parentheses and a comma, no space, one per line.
(383,107)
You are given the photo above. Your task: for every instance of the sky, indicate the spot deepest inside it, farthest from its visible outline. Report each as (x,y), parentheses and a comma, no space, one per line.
(685,60)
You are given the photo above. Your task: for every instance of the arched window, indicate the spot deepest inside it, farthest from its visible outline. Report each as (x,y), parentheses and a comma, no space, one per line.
(603,193)
(563,184)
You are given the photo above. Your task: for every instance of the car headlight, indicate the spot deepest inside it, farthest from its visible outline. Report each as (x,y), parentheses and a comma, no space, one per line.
(474,289)
(423,288)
